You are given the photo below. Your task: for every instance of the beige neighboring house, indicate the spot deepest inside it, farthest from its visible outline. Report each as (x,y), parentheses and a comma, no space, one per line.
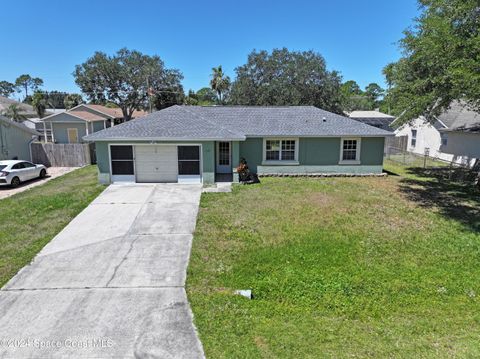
(72,125)
(454,136)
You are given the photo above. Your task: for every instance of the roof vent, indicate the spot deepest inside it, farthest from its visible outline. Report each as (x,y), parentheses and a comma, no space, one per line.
(324,119)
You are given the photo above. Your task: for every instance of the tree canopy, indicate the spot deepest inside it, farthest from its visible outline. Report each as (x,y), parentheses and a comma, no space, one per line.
(354,98)
(440,61)
(6,88)
(285,77)
(127,79)
(15,113)
(72,100)
(25,82)
(39,103)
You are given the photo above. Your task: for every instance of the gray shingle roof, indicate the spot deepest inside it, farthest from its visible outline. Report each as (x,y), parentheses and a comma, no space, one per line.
(236,123)
(459,117)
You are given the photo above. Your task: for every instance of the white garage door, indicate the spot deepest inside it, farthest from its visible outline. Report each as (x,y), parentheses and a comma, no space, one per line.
(156,163)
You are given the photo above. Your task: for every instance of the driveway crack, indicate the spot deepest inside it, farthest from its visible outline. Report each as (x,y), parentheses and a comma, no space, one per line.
(117,267)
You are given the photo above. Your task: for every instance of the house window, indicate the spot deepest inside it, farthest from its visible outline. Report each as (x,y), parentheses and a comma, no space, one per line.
(444,138)
(350,150)
(122,160)
(413,141)
(281,150)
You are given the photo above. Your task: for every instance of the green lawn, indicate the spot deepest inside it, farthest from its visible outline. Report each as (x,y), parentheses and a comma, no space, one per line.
(30,219)
(340,268)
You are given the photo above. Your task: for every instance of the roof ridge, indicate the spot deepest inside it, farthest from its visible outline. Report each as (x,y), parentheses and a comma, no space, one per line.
(210,122)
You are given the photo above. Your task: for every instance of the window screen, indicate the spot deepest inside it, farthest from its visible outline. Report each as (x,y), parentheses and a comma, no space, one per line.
(122,160)
(188,160)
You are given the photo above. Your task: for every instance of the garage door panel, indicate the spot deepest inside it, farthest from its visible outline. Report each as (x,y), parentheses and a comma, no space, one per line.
(156,163)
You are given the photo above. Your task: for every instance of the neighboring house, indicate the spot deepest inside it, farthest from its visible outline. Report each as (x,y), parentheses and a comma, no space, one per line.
(15,139)
(374,118)
(42,127)
(453,136)
(200,144)
(72,125)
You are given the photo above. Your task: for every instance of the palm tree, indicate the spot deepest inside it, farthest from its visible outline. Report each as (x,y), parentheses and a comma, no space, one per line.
(220,83)
(14,112)
(39,103)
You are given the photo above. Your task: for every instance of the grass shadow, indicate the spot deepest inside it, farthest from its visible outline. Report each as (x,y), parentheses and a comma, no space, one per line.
(455,199)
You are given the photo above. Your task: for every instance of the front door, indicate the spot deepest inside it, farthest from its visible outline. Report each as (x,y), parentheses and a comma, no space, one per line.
(72,135)
(223,158)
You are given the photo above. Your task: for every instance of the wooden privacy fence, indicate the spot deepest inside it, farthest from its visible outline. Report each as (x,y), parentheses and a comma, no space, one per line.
(63,155)
(399,142)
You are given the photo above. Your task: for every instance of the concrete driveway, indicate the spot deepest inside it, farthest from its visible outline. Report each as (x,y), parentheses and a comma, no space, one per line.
(111,284)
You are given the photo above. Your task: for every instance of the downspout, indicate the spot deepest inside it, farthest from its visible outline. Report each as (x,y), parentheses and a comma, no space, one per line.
(2,142)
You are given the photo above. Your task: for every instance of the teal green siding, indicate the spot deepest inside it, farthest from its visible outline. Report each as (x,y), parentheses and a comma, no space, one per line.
(14,142)
(371,153)
(60,133)
(252,150)
(208,159)
(101,151)
(320,154)
(319,151)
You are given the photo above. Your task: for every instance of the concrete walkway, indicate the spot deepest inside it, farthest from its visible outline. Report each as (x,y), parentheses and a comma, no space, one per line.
(111,284)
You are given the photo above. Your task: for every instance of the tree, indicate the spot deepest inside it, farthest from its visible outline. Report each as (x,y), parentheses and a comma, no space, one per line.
(171,95)
(6,88)
(25,82)
(350,88)
(15,113)
(440,60)
(353,98)
(127,79)
(220,83)
(72,100)
(39,103)
(55,99)
(191,99)
(206,96)
(374,92)
(287,78)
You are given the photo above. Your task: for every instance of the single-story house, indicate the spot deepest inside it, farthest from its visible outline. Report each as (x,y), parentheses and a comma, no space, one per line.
(202,143)
(374,118)
(454,136)
(15,139)
(72,125)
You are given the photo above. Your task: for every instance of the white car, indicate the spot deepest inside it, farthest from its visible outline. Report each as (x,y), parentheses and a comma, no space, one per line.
(13,172)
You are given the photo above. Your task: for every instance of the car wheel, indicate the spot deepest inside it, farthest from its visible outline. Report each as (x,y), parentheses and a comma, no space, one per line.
(15,182)
(43,173)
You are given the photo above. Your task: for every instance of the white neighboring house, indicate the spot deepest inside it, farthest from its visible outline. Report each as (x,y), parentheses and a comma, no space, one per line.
(454,136)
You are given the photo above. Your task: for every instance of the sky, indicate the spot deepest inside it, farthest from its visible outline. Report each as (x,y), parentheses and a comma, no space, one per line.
(356,38)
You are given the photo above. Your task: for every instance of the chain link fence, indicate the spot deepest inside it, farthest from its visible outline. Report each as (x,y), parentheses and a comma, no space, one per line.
(436,167)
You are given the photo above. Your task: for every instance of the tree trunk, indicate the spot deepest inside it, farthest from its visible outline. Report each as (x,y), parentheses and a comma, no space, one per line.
(127,114)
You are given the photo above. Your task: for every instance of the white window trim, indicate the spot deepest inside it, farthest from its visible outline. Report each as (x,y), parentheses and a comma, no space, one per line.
(68,134)
(357,156)
(280,162)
